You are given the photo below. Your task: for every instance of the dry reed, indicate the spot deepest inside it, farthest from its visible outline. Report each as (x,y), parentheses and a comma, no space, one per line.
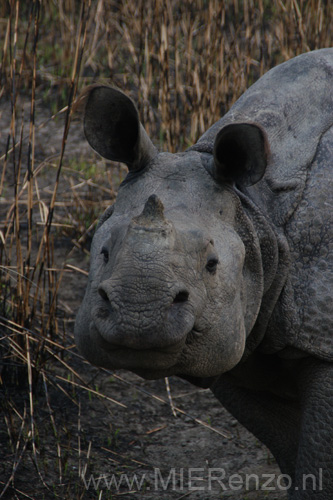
(184,63)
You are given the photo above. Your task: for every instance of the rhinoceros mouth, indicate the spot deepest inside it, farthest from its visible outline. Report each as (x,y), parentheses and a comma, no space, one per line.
(152,362)
(167,334)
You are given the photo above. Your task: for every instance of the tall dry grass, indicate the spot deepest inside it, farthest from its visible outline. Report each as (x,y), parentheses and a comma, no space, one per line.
(192,60)
(28,284)
(184,62)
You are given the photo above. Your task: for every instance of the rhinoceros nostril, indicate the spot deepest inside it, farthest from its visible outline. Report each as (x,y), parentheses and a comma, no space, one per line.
(103,293)
(182,296)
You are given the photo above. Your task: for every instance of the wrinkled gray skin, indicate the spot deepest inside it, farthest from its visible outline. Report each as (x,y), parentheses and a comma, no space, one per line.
(215,264)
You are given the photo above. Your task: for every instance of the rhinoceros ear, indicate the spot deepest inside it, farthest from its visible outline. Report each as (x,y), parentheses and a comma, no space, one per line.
(113,129)
(240,154)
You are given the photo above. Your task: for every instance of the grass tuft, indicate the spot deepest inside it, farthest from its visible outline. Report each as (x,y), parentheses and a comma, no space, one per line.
(184,63)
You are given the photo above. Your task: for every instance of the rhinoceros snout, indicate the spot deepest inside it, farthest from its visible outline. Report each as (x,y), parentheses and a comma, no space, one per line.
(145,303)
(153,319)
(176,294)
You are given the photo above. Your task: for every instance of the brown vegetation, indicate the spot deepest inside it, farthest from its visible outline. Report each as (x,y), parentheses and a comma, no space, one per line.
(184,63)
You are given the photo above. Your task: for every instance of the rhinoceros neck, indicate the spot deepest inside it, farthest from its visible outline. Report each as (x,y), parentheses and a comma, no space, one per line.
(275,259)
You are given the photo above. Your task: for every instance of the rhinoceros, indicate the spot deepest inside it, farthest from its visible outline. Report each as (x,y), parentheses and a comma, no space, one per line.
(215,264)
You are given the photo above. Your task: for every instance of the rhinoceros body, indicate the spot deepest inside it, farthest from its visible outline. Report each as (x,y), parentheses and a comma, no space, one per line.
(216,264)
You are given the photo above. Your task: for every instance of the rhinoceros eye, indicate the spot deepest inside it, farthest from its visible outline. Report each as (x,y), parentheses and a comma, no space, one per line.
(212,264)
(105,254)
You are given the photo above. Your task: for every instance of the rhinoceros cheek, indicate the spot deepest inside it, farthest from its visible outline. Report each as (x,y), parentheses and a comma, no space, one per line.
(216,352)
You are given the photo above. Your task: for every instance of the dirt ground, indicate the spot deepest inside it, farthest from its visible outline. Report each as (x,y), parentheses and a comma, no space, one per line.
(95,448)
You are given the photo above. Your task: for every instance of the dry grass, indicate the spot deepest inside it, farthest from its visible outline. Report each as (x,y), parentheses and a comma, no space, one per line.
(184,62)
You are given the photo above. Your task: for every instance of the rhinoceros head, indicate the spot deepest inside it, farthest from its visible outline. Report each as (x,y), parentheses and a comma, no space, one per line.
(176,278)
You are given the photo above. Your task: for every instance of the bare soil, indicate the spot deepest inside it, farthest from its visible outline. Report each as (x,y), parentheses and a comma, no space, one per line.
(90,447)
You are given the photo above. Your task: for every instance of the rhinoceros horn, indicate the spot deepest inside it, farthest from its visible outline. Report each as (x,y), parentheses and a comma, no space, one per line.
(112,127)
(152,214)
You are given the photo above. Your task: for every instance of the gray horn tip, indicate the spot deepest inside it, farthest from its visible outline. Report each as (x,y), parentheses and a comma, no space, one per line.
(153,210)
(153,207)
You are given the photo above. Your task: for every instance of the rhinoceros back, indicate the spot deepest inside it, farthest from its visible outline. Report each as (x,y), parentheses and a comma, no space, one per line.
(293,103)
(306,302)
